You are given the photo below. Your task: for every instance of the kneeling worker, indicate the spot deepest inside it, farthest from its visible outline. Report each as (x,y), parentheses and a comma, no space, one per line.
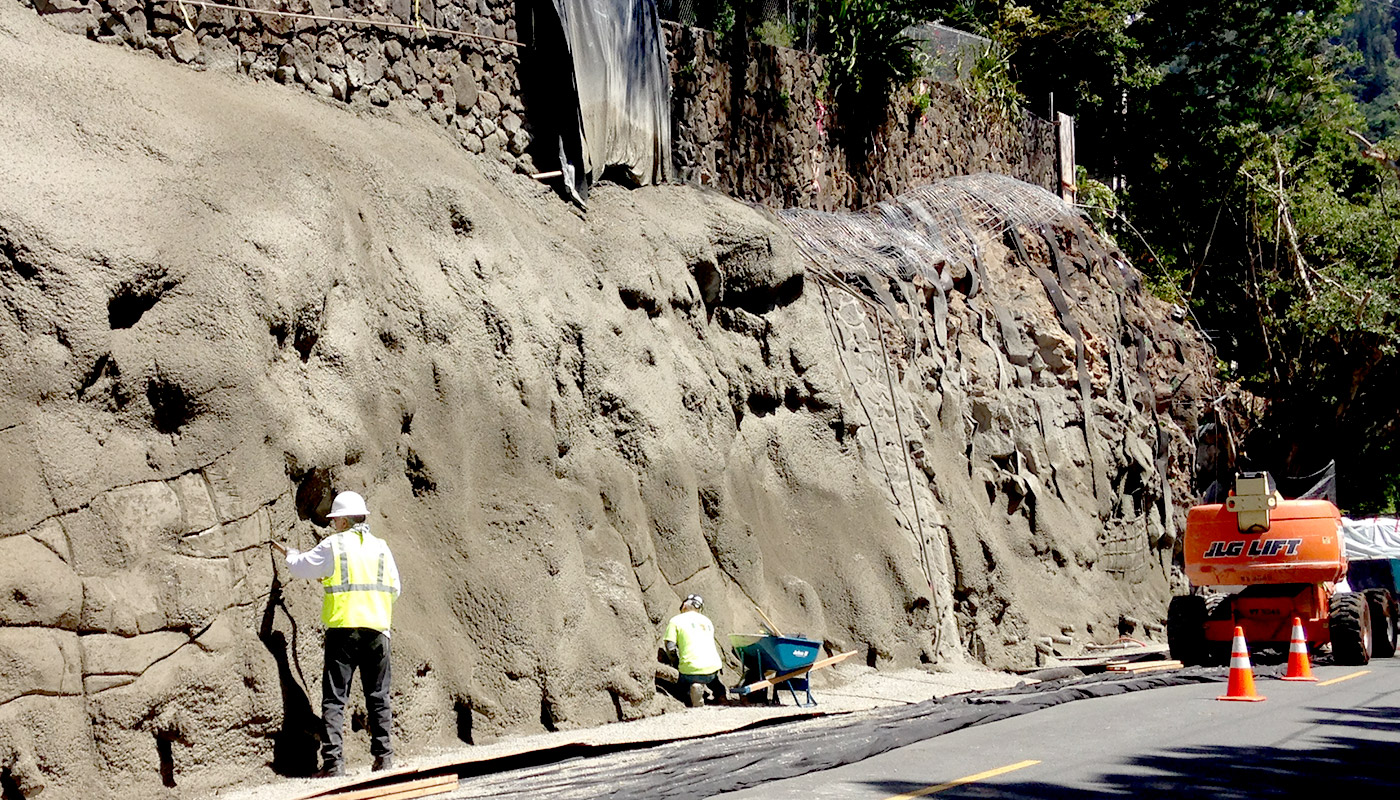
(690,642)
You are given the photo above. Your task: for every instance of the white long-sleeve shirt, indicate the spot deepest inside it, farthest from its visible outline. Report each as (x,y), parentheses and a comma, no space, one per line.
(318,562)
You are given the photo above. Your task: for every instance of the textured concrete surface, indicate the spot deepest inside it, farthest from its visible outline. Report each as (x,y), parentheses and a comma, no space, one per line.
(222,301)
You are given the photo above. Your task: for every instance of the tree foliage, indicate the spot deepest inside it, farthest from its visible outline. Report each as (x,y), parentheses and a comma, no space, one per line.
(1242,173)
(1370,31)
(866,54)
(1226,129)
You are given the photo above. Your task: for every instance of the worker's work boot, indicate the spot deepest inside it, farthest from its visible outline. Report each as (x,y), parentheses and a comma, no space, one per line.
(331,769)
(382,763)
(697,695)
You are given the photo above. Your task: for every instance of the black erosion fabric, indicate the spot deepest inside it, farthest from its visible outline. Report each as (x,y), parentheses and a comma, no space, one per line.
(623,89)
(734,761)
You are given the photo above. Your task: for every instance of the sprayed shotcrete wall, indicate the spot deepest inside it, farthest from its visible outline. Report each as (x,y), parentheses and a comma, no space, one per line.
(754,127)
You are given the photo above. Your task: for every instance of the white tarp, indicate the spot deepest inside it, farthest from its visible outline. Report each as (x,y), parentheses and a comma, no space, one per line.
(622,82)
(1374,537)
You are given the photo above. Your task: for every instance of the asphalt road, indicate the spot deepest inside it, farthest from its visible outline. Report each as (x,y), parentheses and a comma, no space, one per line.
(1336,738)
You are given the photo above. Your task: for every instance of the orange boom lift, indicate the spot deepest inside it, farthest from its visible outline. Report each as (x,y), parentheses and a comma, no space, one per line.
(1288,557)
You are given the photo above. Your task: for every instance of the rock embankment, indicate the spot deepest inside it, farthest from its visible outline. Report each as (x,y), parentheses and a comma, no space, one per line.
(221,301)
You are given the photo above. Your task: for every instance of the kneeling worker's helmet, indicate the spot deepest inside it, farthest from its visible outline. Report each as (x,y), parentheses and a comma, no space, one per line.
(695,601)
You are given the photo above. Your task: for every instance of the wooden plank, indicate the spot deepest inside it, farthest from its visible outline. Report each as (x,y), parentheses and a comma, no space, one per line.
(441,788)
(1158,664)
(394,790)
(1165,665)
(1144,666)
(764,684)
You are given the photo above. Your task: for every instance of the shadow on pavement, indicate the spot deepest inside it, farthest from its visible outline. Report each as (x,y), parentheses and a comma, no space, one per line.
(1338,766)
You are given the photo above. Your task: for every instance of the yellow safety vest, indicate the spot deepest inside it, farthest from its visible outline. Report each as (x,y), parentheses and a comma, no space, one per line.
(358,592)
(694,636)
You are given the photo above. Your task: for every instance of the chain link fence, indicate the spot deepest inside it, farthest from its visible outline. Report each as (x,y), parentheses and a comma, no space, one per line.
(947,54)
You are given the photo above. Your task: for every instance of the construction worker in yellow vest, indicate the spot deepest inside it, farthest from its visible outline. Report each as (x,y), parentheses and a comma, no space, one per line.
(690,642)
(361,583)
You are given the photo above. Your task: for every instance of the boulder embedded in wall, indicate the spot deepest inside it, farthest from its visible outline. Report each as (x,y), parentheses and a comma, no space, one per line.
(26,499)
(46,745)
(38,661)
(36,587)
(375,67)
(112,660)
(489,104)
(464,87)
(124,603)
(184,47)
(59,6)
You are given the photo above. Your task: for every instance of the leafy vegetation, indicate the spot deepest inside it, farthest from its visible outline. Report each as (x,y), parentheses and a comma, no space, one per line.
(1237,136)
(1229,126)
(866,54)
(990,80)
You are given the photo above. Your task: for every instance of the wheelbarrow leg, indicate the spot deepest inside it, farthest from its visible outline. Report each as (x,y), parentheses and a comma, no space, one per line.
(793,691)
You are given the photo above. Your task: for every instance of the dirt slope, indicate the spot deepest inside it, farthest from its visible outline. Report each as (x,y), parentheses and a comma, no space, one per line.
(222,301)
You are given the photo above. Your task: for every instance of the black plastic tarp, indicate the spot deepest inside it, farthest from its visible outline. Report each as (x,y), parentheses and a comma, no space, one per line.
(728,762)
(620,88)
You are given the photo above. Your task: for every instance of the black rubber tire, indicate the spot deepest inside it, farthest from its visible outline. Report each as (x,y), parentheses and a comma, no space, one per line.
(1186,629)
(1349,619)
(1382,607)
(1218,653)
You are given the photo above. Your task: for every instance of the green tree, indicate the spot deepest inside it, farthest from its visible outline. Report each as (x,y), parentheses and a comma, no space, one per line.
(866,54)
(1370,31)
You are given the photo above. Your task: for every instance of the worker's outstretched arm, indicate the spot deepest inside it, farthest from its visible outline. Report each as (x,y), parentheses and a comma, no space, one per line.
(316,563)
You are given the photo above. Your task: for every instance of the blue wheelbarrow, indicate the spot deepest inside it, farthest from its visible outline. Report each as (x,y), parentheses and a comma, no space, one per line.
(770,660)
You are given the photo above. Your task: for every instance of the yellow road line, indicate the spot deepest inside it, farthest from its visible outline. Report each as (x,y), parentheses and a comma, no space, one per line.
(981,776)
(1346,677)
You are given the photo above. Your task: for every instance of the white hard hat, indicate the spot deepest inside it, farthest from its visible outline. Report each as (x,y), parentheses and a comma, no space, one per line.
(348,504)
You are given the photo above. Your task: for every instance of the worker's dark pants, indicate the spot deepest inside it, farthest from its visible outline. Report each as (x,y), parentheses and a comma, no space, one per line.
(349,649)
(712,680)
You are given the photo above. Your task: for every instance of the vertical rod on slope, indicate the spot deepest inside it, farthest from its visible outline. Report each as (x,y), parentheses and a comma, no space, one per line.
(904,450)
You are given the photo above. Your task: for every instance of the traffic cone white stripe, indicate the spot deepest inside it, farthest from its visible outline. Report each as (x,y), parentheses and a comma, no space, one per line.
(1298,667)
(1241,684)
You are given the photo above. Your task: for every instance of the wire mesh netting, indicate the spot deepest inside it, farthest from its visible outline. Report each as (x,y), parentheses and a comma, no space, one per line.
(922,232)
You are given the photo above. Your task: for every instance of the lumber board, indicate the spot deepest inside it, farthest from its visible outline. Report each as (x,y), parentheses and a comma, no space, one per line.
(397,791)
(446,786)
(1144,666)
(797,673)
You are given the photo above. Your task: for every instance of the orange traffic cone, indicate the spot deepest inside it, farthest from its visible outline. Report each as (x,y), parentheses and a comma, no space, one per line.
(1241,685)
(1298,667)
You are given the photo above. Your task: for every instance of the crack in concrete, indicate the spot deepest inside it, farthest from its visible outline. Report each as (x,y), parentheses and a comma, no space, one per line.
(63,512)
(39,693)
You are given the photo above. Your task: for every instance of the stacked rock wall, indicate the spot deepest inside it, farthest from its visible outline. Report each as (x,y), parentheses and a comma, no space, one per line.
(773,140)
(770,140)
(470,86)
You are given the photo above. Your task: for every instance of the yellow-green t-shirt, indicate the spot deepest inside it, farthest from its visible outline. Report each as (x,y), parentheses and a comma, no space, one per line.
(694,636)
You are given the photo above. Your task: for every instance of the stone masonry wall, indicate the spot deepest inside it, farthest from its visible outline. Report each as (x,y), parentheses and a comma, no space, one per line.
(772,143)
(469,86)
(775,141)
